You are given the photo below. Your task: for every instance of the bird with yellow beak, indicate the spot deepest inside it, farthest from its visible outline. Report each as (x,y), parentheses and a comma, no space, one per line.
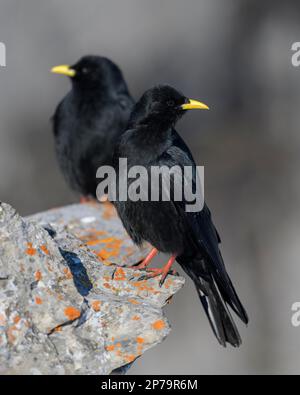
(89,120)
(190,238)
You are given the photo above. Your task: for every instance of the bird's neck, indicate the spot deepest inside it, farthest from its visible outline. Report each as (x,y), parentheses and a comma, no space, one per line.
(92,92)
(87,101)
(153,123)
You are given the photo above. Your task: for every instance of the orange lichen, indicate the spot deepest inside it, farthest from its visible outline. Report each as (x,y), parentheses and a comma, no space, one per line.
(110,348)
(140,340)
(58,329)
(38,275)
(144,286)
(92,243)
(45,250)
(130,358)
(139,284)
(139,349)
(96,305)
(72,313)
(103,254)
(112,249)
(90,235)
(10,335)
(119,345)
(109,211)
(2,320)
(38,300)
(133,301)
(168,283)
(136,318)
(119,275)
(108,240)
(68,273)
(99,232)
(17,319)
(158,325)
(30,250)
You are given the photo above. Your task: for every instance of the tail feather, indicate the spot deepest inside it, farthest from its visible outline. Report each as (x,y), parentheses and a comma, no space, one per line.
(218,314)
(230,296)
(214,298)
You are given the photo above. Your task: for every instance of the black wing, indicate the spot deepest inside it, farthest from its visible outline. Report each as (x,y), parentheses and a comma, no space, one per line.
(204,232)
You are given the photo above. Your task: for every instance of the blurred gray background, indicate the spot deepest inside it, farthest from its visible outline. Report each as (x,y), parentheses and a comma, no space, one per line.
(235,55)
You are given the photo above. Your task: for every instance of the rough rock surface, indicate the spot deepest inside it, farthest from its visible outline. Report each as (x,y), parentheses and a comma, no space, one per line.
(66,308)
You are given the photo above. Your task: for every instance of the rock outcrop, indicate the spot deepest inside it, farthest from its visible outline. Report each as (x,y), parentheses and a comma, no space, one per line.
(68,303)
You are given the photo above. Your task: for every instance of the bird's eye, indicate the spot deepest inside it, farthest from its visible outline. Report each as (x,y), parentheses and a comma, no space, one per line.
(85,70)
(171,103)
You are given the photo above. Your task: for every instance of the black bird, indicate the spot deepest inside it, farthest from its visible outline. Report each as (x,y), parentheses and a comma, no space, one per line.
(189,237)
(89,120)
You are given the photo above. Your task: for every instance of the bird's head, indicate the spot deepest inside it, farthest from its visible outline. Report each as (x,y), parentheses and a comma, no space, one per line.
(94,72)
(164,105)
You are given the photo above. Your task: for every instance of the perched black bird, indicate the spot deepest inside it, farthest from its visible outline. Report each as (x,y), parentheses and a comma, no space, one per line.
(89,120)
(190,237)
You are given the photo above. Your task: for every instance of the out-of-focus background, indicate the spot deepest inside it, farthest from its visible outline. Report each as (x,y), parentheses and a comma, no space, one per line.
(234,55)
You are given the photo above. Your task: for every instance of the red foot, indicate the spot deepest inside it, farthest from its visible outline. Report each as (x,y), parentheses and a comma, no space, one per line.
(85,199)
(146,262)
(166,269)
(163,272)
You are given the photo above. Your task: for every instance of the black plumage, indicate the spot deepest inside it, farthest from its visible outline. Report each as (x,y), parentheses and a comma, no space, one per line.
(151,140)
(89,120)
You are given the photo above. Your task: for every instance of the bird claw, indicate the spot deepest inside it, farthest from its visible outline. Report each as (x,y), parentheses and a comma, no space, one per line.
(142,278)
(137,266)
(155,273)
(165,275)
(161,283)
(113,274)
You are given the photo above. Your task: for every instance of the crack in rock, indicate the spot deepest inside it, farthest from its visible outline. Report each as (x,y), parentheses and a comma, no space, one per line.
(78,271)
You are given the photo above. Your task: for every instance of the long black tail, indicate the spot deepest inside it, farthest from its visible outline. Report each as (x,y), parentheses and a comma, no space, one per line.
(216,292)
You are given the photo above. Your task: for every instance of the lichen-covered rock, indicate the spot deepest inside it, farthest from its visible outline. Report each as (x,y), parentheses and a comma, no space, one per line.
(99,228)
(66,309)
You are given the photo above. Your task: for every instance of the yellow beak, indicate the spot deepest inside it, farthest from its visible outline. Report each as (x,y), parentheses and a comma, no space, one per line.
(194,105)
(65,70)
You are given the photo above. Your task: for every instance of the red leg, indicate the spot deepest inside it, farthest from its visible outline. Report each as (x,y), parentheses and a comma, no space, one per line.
(163,272)
(146,262)
(166,269)
(85,199)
